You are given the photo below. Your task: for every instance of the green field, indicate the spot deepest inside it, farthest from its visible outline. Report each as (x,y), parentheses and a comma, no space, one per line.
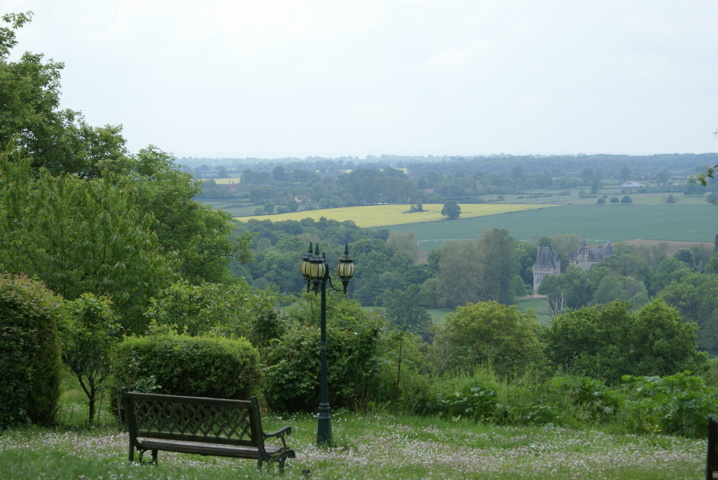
(662,222)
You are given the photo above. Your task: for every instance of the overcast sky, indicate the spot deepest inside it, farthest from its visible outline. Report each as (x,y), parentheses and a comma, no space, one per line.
(275,78)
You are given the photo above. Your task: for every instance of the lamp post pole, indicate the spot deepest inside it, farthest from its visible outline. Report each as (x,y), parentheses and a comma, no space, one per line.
(324,427)
(316,273)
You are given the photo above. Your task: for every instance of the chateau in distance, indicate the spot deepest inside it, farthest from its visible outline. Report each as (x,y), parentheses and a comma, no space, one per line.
(549,263)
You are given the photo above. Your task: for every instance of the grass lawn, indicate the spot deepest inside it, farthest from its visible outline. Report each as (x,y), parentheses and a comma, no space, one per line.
(539,306)
(377,446)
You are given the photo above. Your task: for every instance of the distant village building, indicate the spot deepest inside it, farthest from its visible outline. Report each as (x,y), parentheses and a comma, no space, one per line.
(586,256)
(631,184)
(547,263)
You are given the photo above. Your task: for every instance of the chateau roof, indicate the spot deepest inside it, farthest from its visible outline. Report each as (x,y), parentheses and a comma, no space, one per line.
(545,258)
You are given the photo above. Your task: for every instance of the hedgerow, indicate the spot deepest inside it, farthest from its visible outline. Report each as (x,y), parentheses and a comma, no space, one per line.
(29,351)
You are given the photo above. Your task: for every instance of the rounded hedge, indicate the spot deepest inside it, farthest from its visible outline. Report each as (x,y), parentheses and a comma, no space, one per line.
(183,365)
(29,351)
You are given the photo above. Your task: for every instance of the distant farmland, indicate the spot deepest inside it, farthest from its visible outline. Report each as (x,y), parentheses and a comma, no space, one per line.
(389,215)
(667,222)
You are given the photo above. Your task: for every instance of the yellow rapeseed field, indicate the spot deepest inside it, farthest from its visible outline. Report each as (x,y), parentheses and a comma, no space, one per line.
(227,181)
(386,215)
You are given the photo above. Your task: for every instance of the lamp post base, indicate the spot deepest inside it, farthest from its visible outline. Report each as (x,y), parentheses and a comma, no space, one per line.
(324,428)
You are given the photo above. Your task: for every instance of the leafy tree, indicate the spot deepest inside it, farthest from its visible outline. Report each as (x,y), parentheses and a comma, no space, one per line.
(626,264)
(693,190)
(572,289)
(233,311)
(477,270)
(525,255)
(614,200)
(404,310)
(564,245)
(617,287)
(601,201)
(404,242)
(496,249)
(694,298)
(626,200)
(662,177)
(670,270)
(609,341)
(686,256)
(89,331)
(460,278)
(203,240)
(451,210)
(57,140)
(624,174)
(701,256)
(596,185)
(587,175)
(81,236)
(493,335)
(669,342)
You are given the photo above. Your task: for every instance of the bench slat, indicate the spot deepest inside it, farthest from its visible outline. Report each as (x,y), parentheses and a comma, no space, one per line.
(202,448)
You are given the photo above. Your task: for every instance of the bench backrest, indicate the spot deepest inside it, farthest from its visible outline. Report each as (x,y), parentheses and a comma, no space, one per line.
(712,465)
(198,419)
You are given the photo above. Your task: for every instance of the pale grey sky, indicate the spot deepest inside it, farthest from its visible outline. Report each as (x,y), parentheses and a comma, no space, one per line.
(273,78)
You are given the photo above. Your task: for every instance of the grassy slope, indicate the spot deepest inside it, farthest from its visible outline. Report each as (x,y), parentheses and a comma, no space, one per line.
(373,446)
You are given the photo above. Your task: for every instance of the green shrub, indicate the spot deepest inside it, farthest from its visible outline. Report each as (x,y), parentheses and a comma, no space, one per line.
(476,401)
(184,365)
(353,339)
(292,378)
(592,401)
(678,404)
(29,351)
(232,311)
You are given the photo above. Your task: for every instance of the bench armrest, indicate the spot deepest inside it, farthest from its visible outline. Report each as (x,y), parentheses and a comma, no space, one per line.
(280,434)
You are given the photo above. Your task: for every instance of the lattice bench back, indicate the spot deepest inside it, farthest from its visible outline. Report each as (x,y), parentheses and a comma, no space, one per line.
(195,419)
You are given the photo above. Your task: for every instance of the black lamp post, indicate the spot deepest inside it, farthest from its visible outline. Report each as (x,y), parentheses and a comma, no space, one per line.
(315,270)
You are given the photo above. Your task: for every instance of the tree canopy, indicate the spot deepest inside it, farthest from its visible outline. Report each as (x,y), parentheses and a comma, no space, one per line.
(85,216)
(608,341)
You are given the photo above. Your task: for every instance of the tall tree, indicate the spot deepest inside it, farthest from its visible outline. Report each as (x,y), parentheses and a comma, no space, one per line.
(204,240)
(609,341)
(451,210)
(81,236)
(477,270)
(493,335)
(57,139)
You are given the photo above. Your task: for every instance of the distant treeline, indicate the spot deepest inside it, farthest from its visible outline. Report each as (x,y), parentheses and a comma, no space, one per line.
(293,184)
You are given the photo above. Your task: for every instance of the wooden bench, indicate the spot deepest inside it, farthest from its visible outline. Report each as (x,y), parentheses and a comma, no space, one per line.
(204,426)
(712,464)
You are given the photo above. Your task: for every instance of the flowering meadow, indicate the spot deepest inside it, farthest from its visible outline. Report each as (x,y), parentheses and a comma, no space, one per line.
(385,215)
(372,446)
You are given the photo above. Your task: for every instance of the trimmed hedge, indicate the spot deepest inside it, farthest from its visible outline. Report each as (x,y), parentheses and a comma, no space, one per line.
(184,365)
(29,351)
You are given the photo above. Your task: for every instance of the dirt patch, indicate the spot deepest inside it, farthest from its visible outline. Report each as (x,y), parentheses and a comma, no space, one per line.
(673,247)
